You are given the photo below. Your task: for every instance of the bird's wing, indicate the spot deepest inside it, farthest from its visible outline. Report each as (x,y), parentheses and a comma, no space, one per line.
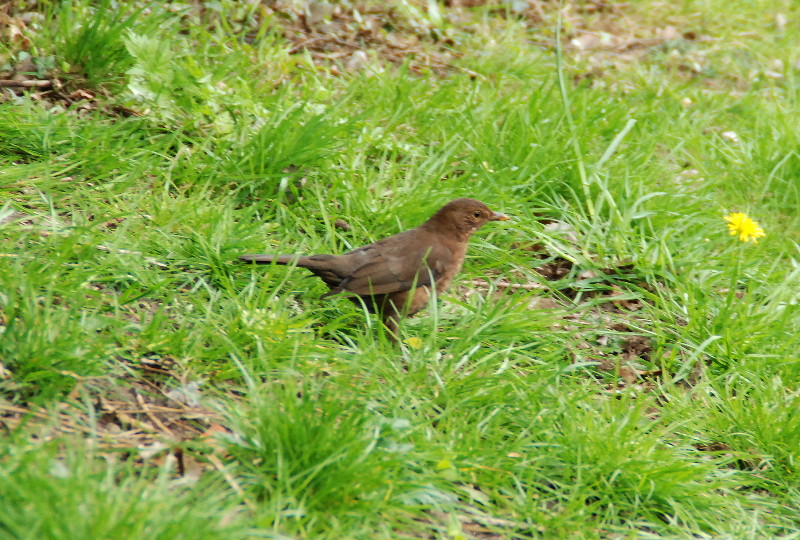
(388,267)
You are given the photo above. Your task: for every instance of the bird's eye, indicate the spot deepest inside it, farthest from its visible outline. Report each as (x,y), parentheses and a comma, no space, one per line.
(477,213)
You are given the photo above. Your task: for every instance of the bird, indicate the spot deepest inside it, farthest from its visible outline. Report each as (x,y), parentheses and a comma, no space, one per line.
(394,277)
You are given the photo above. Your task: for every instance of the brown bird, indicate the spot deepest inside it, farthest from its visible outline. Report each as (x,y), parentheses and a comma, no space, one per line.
(393,276)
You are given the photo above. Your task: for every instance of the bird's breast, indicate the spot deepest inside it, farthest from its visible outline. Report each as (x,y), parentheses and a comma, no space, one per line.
(448,271)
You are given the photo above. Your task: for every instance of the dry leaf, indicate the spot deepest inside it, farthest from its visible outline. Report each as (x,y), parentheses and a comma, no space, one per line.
(669,33)
(731,136)
(780,22)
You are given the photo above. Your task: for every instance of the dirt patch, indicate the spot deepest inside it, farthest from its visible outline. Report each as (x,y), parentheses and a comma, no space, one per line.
(144,417)
(351,36)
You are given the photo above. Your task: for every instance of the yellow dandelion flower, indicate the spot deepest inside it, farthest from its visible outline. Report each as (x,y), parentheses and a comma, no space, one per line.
(746,228)
(413,342)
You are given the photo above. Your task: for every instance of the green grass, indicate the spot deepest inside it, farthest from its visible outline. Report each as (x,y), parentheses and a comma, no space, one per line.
(519,412)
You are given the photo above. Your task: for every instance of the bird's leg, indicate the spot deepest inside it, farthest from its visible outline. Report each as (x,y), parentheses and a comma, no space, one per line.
(392,328)
(391,320)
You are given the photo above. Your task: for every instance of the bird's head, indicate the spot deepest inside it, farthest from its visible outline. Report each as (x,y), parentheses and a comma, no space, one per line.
(463,217)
